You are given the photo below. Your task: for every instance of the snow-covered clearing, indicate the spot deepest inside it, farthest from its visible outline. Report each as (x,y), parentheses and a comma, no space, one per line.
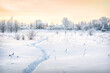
(55,51)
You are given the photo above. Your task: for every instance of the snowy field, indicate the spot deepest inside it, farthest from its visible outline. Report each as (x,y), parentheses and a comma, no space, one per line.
(55,51)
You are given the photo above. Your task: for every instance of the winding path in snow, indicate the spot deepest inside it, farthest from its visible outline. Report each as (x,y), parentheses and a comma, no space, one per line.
(31,67)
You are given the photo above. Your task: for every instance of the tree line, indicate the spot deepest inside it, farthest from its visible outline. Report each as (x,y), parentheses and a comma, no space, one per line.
(102,24)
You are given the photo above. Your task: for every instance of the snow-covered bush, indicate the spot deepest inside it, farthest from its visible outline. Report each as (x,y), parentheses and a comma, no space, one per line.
(78,27)
(23,37)
(38,24)
(86,27)
(57,32)
(31,34)
(17,36)
(56,27)
(91,32)
(51,27)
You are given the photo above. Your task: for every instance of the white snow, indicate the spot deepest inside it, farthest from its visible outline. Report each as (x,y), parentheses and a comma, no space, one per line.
(55,51)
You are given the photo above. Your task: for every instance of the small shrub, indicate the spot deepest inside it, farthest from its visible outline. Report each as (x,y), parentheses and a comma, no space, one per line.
(91,32)
(31,34)
(23,38)
(17,36)
(103,30)
(56,32)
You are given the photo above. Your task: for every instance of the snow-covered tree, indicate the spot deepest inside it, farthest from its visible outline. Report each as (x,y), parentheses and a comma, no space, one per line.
(68,24)
(9,26)
(12,26)
(39,24)
(96,24)
(81,25)
(15,26)
(105,21)
(2,26)
(31,26)
(78,27)
(87,26)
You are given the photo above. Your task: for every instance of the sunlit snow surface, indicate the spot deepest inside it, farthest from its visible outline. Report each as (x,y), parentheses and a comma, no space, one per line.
(54,51)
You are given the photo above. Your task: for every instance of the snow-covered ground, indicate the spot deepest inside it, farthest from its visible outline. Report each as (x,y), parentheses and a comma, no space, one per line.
(55,51)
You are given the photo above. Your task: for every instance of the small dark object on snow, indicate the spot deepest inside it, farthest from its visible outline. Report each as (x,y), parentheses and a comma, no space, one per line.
(13,53)
(84,43)
(10,55)
(65,50)
(12,63)
(17,56)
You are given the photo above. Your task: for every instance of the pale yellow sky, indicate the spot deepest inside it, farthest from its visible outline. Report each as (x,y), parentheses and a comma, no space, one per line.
(54,10)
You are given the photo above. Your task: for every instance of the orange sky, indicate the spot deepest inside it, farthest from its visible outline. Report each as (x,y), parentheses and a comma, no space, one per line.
(54,10)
